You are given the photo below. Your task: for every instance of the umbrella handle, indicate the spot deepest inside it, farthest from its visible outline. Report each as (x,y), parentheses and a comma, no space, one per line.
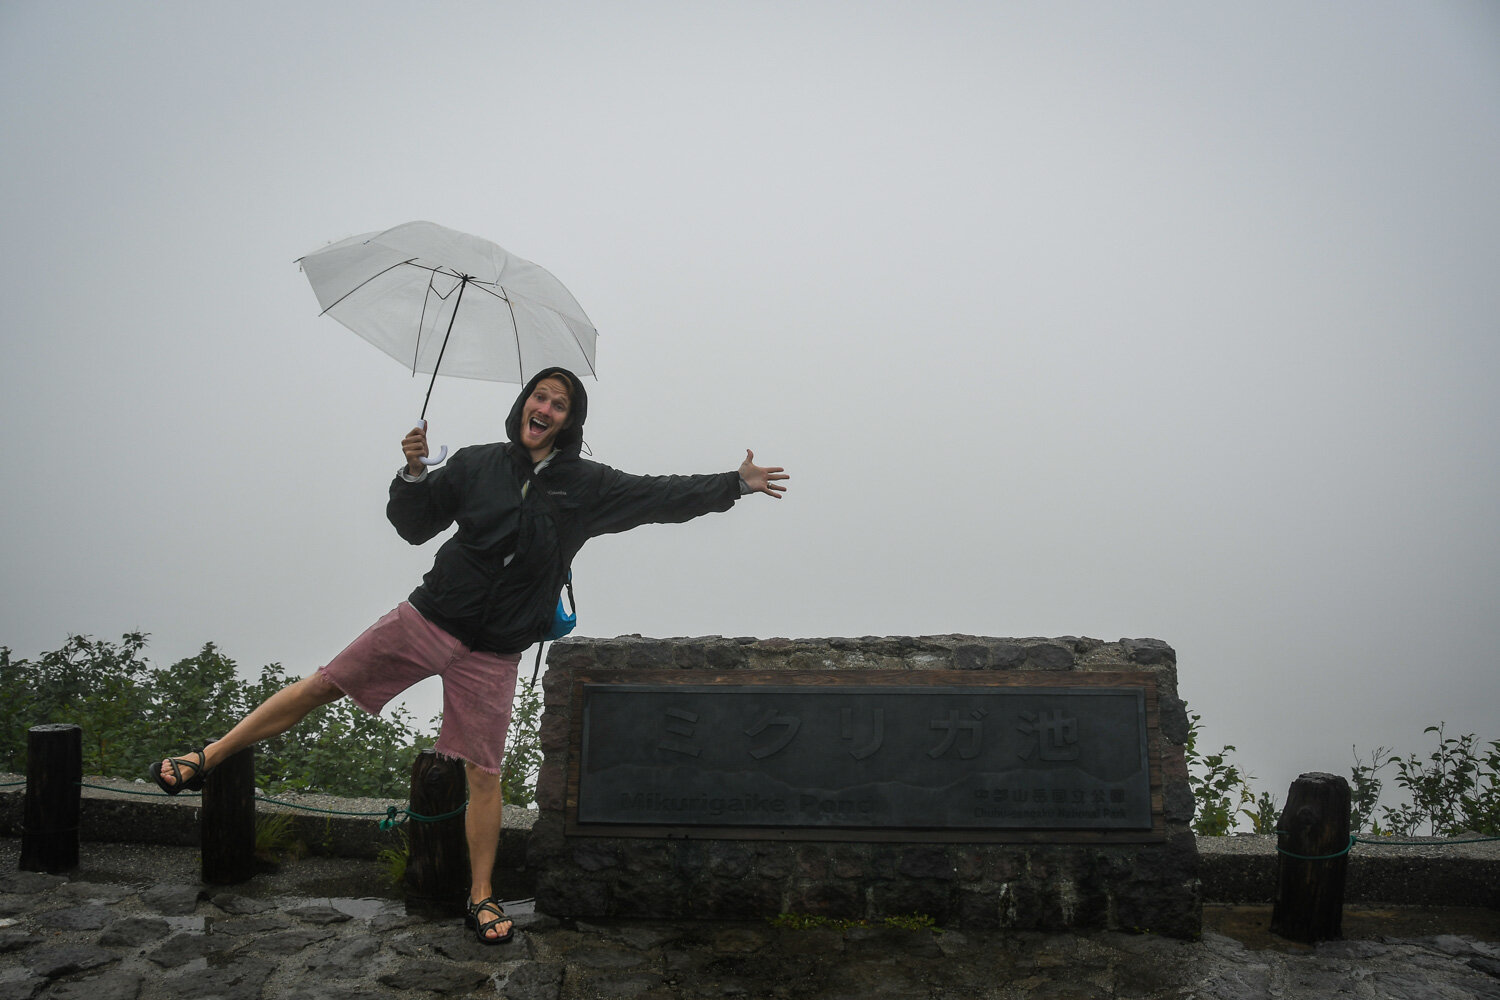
(431,462)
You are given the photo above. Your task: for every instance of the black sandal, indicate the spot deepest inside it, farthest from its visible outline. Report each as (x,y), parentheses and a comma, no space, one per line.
(481,930)
(192,783)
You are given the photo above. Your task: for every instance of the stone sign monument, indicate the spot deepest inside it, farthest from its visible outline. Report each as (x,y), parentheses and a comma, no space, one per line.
(1035,783)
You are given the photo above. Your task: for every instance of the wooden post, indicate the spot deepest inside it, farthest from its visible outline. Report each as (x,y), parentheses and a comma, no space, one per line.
(228,820)
(49,825)
(1309,905)
(437,862)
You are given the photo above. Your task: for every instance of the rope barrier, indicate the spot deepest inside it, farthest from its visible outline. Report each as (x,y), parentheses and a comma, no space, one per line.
(393,816)
(315,809)
(1319,857)
(132,791)
(391,822)
(1355,839)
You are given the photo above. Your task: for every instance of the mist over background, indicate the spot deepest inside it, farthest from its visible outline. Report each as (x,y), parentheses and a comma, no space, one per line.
(1156,320)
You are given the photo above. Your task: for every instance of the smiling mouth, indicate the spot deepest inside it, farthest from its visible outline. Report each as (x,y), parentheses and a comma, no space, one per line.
(537,427)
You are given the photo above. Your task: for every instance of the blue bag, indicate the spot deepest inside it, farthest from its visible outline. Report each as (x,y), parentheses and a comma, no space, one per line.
(563,621)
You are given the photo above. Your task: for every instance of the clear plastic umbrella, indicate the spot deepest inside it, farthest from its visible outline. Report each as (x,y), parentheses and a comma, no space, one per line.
(439,300)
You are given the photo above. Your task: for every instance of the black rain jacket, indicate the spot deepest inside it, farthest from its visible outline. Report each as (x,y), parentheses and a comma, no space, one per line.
(471,592)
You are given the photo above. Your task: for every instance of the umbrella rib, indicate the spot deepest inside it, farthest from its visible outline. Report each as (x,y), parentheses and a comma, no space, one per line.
(416,351)
(434,268)
(462,278)
(583,353)
(516,332)
(371,278)
(498,292)
(430,268)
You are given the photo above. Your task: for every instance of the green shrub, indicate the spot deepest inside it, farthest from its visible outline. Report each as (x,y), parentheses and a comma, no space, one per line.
(523,748)
(276,838)
(1454,790)
(131,712)
(393,861)
(1220,790)
(1265,815)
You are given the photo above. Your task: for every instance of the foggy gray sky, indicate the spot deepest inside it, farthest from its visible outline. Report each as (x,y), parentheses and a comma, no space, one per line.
(1163,319)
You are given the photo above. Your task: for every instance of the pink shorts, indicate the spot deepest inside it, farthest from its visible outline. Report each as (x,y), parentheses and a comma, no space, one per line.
(404,648)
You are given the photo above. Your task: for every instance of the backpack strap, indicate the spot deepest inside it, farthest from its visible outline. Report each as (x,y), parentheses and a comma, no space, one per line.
(573,608)
(567,580)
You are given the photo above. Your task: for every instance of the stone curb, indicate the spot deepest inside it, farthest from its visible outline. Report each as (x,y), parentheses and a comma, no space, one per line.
(1242,869)
(1238,870)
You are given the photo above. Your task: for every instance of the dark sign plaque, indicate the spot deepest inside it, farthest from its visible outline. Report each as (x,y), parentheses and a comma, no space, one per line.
(849,755)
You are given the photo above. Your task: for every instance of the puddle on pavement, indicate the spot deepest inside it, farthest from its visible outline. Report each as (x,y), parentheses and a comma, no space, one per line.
(519,907)
(187,925)
(366,908)
(361,908)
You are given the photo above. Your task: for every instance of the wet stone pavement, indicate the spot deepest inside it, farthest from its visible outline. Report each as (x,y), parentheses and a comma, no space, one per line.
(134,923)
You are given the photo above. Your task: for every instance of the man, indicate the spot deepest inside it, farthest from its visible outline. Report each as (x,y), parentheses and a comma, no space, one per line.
(523,509)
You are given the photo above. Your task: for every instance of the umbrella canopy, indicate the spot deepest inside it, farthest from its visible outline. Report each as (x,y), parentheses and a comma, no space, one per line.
(439,300)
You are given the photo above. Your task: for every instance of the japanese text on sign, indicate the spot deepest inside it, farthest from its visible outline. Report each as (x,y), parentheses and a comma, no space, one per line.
(920,757)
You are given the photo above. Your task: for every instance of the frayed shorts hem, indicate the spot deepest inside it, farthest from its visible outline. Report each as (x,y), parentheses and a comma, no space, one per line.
(461,759)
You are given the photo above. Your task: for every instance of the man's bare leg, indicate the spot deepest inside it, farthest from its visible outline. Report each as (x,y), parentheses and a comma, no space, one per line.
(482,828)
(274,716)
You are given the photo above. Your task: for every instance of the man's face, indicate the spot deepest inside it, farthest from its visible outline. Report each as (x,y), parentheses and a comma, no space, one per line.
(543,416)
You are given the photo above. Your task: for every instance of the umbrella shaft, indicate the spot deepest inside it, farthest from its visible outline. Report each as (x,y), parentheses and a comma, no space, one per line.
(452,316)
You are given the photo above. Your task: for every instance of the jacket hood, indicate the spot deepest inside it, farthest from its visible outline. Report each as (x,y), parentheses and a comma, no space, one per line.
(570,439)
